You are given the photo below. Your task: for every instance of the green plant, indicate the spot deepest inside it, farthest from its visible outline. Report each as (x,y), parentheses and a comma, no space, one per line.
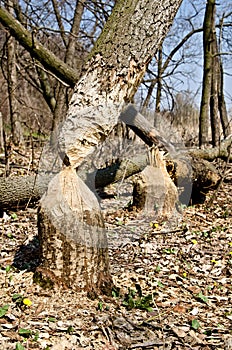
(8,268)
(170,251)
(14,216)
(70,330)
(19,346)
(159,284)
(131,301)
(21,301)
(202,297)
(3,310)
(195,324)
(100,306)
(26,333)
(115,292)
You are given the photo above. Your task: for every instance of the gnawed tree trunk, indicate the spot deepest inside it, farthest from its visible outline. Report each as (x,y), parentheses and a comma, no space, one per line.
(73,241)
(21,190)
(155,193)
(115,69)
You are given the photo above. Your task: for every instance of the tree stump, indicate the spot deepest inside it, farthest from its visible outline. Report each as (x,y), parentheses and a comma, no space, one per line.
(73,242)
(154,192)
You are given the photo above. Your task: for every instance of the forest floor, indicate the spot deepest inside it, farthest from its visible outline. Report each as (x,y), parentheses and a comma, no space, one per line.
(173,282)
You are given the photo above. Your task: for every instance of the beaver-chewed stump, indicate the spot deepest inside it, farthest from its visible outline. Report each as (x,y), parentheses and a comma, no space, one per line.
(73,242)
(154,192)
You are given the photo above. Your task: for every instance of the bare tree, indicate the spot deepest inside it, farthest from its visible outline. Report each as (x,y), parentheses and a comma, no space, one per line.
(212,102)
(113,73)
(12,83)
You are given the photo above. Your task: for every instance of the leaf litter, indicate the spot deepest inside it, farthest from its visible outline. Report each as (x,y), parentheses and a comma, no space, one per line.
(172,286)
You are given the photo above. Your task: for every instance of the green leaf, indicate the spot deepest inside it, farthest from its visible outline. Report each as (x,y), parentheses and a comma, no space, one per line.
(14,216)
(19,346)
(195,324)
(17,298)
(100,306)
(8,267)
(3,310)
(25,332)
(202,297)
(36,336)
(160,284)
(51,319)
(70,330)
(115,292)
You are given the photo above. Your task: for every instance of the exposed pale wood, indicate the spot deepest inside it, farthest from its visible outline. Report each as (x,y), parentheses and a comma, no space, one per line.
(155,193)
(72,235)
(70,224)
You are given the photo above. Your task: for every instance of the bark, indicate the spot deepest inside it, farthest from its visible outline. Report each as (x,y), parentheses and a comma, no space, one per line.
(115,69)
(206,85)
(215,79)
(47,90)
(226,127)
(1,133)
(12,84)
(74,247)
(17,191)
(159,82)
(20,191)
(112,75)
(223,151)
(155,193)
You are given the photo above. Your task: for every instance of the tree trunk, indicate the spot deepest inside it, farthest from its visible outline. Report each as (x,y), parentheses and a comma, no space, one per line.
(73,242)
(159,81)
(215,79)
(12,83)
(1,133)
(214,106)
(18,191)
(212,91)
(115,69)
(206,84)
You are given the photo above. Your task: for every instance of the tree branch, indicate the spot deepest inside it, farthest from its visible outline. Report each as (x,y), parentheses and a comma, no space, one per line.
(38,51)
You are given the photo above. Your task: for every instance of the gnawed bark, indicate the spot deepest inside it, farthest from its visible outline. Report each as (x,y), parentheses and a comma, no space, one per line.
(154,192)
(73,247)
(21,191)
(113,73)
(17,191)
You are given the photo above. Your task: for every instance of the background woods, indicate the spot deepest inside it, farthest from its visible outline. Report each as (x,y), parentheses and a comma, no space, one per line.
(115,174)
(70,30)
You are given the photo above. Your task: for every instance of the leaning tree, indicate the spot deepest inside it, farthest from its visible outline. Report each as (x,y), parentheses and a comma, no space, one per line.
(73,243)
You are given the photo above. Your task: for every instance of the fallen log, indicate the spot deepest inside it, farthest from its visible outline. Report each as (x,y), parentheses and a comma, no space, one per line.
(20,191)
(188,169)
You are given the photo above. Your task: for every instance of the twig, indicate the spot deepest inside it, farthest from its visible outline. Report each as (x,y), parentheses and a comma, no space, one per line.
(147,344)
